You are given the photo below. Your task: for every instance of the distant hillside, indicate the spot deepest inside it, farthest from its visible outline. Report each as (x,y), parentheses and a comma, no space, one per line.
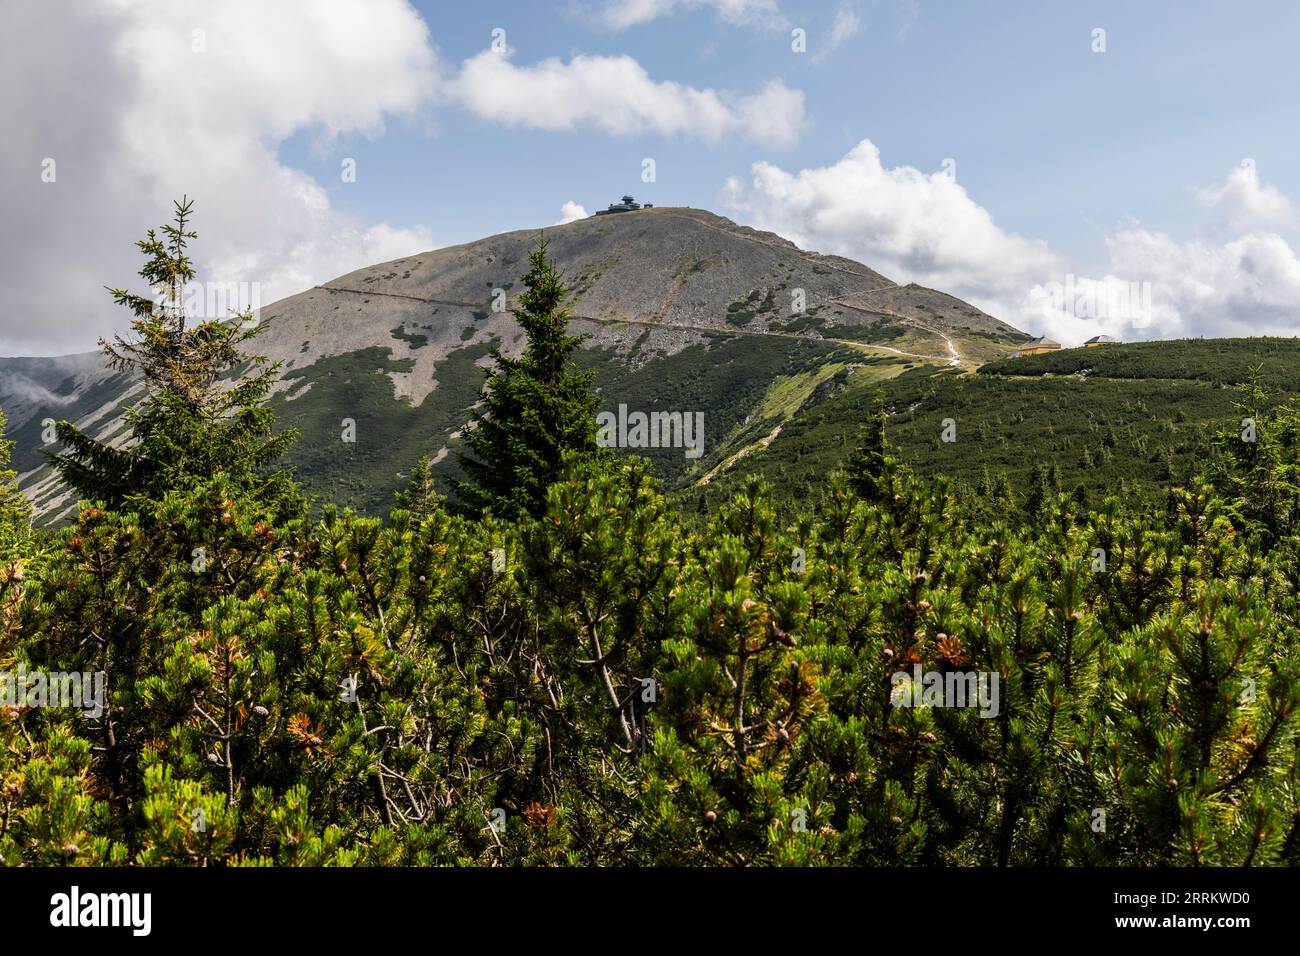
(684,310)
(1134,416)
(1224,361)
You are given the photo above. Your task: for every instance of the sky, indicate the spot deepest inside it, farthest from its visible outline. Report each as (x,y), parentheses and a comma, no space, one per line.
(1073,169)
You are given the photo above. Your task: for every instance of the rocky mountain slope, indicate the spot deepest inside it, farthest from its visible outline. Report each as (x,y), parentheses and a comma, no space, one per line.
(685,311)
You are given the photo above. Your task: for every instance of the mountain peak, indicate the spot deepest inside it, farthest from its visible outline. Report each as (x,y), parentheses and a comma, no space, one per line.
(682,308)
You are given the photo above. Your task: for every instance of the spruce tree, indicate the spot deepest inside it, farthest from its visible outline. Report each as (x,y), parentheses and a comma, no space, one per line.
(536,409)
(1039,494)
(420,496)
(204,412)
(872,466)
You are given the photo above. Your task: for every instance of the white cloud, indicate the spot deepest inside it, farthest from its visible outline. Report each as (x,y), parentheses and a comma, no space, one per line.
(910,225)
(925,228)
(846,25)
(1246,286)
(909,11)
(1170,289)
(1072,308)
(572,212)
(135,116)
(139,103)
(621,14)
(1244,203)
(775,114)
(615,95)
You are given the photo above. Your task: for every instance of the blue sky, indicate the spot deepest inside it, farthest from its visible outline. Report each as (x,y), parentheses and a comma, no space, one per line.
(1056,141)
(1166,161)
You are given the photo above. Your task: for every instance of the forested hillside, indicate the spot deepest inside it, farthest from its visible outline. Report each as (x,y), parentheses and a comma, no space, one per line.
(1127,420)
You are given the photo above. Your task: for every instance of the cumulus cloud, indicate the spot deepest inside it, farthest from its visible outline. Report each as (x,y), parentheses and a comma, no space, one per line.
(614,94)
(1071,309)
(140,103)
(135,104)
(572,212)
(775,114)
(1244,283)
(1159,287)
(1244,204)
(925,228)
(1246,286)
(908,224)
(621,14)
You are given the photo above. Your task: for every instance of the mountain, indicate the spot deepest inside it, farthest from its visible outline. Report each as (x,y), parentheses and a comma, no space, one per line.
(685,311)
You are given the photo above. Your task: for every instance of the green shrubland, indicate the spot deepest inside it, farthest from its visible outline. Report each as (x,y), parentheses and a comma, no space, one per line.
(560,668)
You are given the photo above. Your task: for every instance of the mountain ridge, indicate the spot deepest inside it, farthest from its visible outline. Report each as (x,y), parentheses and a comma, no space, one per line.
(663,296)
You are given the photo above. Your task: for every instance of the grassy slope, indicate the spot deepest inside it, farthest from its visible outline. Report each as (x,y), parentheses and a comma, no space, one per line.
(729,380)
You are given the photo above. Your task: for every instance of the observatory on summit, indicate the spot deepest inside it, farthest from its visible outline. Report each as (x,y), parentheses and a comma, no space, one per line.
(627,205)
